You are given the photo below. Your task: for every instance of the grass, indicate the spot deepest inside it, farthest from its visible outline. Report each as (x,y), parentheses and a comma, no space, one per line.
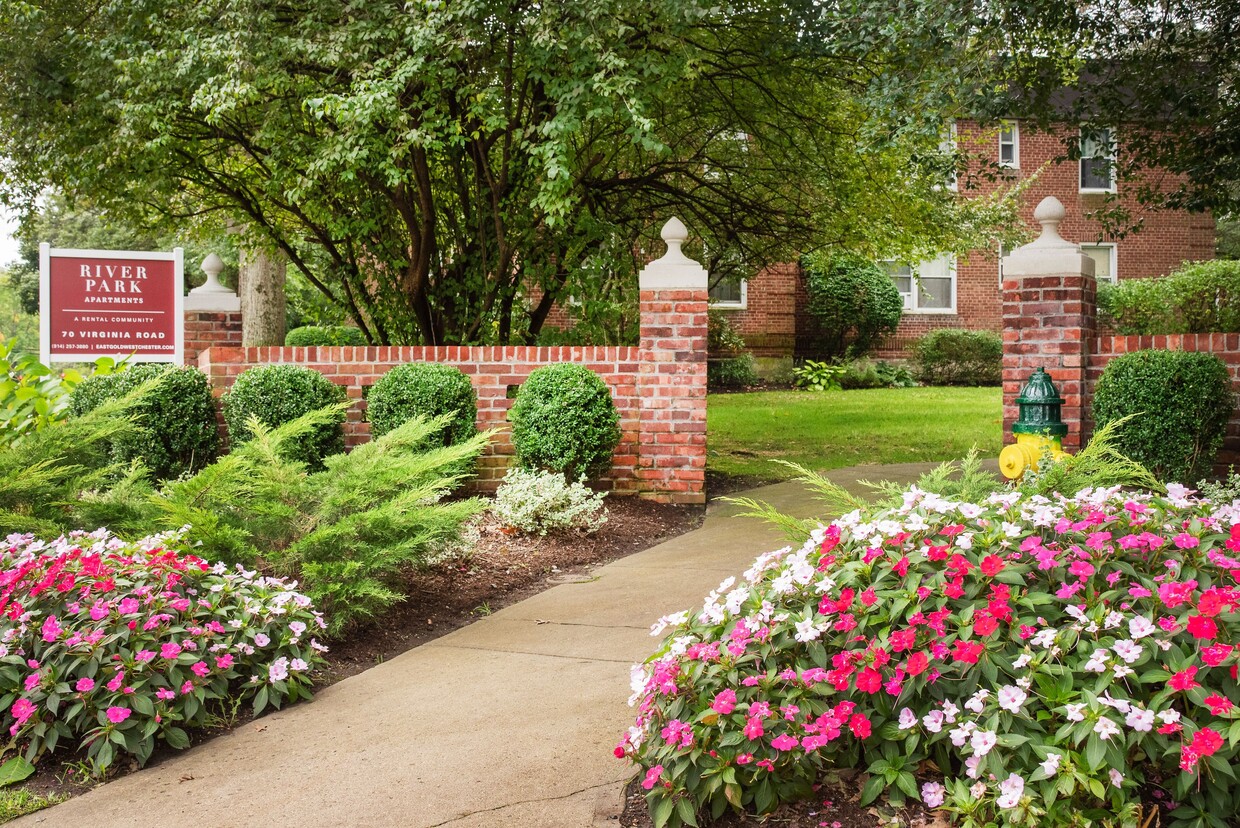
(848,428)
(15,802)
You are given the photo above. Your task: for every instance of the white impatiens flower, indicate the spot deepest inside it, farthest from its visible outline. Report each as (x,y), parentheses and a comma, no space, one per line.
(1022,662)
(982,741)
(960,735)
(933,721)
(1098,661)
(1044,638)
(1113,620)
(971,769)
(1169,716)
(1076,712)
(1140,626)
(1128,650)
(1051,764)
(1122,671)
(950,711)
(1010,791)
(1013,530)
(908,719)
(1011,698)
(978,790)
(1024,682)
(1141,721)
(1105,728)
(1117,778)
(977,702)
(807,631)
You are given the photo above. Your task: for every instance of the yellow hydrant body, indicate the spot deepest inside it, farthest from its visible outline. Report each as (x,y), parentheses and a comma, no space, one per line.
(1039,428)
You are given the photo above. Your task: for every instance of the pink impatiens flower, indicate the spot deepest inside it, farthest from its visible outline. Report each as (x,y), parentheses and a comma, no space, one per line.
(784,742)
(116,715)
(84,685)
(725,702)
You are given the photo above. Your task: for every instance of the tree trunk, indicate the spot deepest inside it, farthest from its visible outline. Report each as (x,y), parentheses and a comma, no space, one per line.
(262,297)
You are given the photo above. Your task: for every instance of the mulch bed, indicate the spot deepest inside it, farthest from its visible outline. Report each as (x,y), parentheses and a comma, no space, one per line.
(499,569)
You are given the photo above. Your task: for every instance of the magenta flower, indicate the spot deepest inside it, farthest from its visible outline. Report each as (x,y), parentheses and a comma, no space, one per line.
(116,715)
(724,702)
(84,685)
(170,650)
(201,669)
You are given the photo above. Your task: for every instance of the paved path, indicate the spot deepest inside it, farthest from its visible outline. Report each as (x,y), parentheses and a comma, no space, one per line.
(507,722)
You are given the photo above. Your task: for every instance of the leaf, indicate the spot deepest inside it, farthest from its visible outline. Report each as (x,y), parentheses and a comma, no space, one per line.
(685,810)
(176,738)
(15,770)
(871,790)
(661,812)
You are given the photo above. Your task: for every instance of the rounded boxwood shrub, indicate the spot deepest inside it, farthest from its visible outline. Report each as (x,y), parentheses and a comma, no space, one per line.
(564,420)
(309,336)
(1182,402)
(427,389)
(953,356)
(1199,297)
(177,431)
(855,304)
(1021,660)
(277,394)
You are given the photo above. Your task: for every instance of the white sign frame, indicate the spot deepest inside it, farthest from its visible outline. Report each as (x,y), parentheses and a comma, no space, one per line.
(47,252)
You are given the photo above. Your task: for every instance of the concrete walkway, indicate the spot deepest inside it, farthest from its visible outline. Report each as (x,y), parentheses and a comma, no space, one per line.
(508,722)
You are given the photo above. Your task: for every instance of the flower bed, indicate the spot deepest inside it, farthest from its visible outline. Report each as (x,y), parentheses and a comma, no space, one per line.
(111,645)
(1029,661)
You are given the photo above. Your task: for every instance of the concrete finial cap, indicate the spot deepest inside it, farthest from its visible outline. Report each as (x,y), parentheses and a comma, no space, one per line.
(675,232)
(1049,209)
(212,265)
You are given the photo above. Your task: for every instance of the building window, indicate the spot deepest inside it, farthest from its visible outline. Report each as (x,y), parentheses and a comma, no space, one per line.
(1004,252)
(1097,161)
(1009,144)
(947,146)
(1105,258)
(928,287)
(727,295)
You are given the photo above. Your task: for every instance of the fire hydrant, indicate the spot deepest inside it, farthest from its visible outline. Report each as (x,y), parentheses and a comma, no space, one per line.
(1038,428)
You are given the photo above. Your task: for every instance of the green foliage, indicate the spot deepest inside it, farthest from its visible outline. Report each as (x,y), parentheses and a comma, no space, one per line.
(865,373)
(812,375)
(327,335)
(278,394)
(854,302)
(176,430)
(534,148)
(1199,297)
(722,340)
(953,356)
(428,390)
(564,420)
(1179,403)
(1101,464)
(731,372)
(34,396)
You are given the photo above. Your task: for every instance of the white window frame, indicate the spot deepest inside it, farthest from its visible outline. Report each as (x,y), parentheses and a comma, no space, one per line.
(743,304)
(911,300)
(949,144)
(1080,169)
(1003,254)
(1114,248)
(1014,164)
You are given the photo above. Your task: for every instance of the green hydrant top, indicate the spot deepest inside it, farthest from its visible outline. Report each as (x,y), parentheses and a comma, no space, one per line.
(1039,408)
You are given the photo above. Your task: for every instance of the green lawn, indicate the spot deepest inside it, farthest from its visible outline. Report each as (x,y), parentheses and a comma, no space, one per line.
(848,428)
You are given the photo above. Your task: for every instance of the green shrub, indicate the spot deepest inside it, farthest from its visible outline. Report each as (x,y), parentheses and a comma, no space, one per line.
(722,340)
(865,373)
(818,376)
(325,335)
(731,372)
(1181,403)
(1200,297)
(951,356)
(542,502)
(424,389)
(564,420)
(34,396)
(855,303)
(176,431)
(277,394)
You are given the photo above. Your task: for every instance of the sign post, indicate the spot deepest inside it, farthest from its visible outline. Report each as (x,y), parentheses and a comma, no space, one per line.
(111,303)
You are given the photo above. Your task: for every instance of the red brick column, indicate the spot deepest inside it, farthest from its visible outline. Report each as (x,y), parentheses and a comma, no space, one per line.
(1049,321)
(206,329)
(671,463)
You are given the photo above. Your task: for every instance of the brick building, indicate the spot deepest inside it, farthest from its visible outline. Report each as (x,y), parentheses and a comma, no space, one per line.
(965,291)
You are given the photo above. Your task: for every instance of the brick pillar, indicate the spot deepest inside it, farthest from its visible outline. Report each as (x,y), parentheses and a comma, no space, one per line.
(212,314)
(671,464)
(1049,320)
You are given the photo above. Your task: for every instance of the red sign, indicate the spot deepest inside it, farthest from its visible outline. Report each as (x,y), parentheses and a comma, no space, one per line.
(114,303)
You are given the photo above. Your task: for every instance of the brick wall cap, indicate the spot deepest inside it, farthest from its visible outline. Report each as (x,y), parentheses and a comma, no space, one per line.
(1050,254)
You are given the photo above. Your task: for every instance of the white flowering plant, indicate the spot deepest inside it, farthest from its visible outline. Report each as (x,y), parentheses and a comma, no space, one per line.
(109,645)
(536,501)
(1026,660)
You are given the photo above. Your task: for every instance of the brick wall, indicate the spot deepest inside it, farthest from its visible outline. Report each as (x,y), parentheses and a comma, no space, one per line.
(768,322)
(659,387)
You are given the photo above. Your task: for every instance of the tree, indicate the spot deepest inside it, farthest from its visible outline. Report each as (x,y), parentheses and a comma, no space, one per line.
(426,165)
